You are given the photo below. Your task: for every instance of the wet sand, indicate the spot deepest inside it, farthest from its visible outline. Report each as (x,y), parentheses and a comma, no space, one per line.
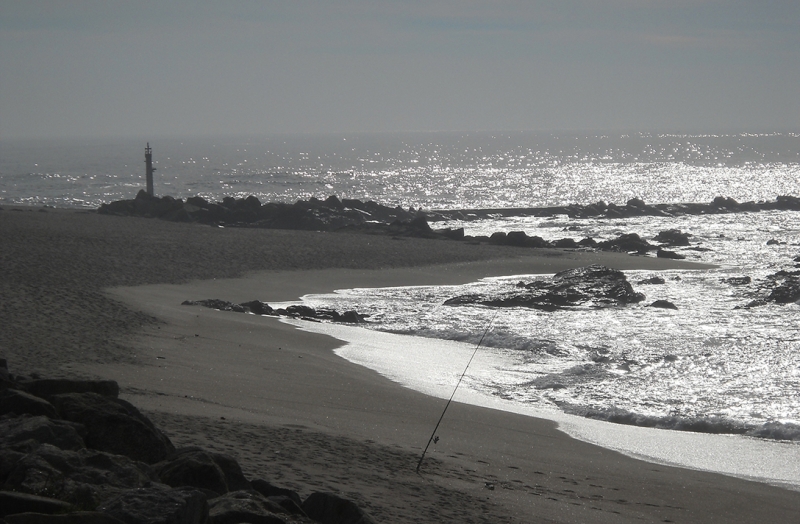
(89,295)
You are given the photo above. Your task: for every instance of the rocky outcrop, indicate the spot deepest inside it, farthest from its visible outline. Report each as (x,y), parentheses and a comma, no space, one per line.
(158,504)
(296,311)
(329,508)
(88,451)
(782,287)
(195,467)
(251,506)
(632,208)
(115,426)
(592,286)
(312,214)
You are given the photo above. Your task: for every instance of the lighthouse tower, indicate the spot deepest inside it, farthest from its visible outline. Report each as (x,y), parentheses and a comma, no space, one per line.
(148,159)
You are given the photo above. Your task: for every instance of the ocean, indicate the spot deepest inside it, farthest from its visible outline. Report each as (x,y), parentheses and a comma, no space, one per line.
(707,367)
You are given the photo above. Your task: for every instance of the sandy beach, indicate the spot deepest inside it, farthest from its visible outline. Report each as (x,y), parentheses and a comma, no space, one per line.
(100,296)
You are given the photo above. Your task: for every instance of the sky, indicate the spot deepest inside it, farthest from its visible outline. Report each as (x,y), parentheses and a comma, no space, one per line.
(94,68)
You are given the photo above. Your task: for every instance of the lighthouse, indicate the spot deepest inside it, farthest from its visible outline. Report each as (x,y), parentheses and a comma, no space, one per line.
(148,159)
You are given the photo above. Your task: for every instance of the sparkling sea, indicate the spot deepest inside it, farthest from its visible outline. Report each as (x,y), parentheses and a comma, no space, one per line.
(706,366)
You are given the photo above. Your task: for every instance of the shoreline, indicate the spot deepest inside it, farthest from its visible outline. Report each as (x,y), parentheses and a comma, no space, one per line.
(357,432)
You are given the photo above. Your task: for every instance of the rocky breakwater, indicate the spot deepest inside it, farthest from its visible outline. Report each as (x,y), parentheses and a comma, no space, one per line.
(632,208)
(592,286)
(72,452)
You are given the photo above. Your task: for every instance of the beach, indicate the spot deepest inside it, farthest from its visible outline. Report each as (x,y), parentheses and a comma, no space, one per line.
(100,296)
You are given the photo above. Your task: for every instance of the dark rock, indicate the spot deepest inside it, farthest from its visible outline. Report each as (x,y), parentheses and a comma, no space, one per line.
(26,433)
(77,517)
(56,386)
(329,508)
(245,506)
(787,291)
(652,280)
(452,234)
(198,468)
(663,253)
(215,303)
(269,490)
(663,304)
(158,504)
(498,237)
(626,243)
(593,286)
(773,242)
(115,426)
(301,311)
(19,402)
(12,502)
(738,281)
(257,307)
(8,461)
(566,243)
(83,478)
(673,237)
(351,317)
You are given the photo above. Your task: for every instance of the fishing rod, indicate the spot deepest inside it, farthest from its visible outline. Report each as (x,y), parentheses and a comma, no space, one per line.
(433,435)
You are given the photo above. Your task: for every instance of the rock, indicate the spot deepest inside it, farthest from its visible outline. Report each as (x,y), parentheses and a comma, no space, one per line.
(773,242)
(56,386)
(626,243)
(198,468)
(20,402)
(158,504)
(566,243)
(498,237)
(257,307)
(672,237)
(786,292)
(301,311)
(663,304)
(77,517)
(26,433)
(245,506)
(652,280)
(84,478)
(592,286)
(12,502)
(738,281)
(663,253)
(269,490)
(115,426)
(329,508)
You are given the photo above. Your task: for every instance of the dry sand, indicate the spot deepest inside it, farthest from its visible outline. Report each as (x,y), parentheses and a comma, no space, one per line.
(290,410)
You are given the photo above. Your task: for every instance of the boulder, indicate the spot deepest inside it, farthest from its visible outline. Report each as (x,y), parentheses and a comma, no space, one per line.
(245,506)
(672,237)
(257,307)
(663,253)
(77,517)
(738,281)
(329,508)
(652,280)
(114,426)
(20,402)
(26,433)
(198,468)
(158,504)
(269,490)
(629,242)
(663,304)
(48,387)
(84,478)
(12,502)
(592,286)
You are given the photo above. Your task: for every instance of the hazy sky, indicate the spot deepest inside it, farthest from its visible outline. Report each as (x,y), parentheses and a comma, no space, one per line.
(125,68)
